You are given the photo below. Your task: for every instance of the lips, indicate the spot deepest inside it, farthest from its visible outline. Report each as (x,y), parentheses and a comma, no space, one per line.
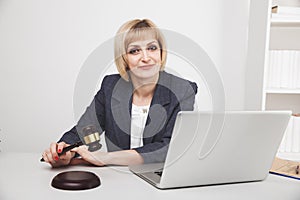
(145,67)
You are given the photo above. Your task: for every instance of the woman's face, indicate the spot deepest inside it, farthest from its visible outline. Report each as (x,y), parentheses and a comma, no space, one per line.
(144,59)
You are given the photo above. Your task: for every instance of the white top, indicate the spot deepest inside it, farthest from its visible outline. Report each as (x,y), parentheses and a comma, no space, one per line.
(139,116)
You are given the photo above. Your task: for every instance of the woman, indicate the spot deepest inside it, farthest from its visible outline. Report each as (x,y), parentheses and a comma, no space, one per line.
(136,108)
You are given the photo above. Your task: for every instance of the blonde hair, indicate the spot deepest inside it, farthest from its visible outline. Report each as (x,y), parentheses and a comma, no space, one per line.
(135,30)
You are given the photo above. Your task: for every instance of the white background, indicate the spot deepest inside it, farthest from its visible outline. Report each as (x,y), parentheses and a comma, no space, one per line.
(43,45)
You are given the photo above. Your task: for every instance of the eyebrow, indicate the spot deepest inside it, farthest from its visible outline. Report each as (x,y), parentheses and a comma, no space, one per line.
(133,45)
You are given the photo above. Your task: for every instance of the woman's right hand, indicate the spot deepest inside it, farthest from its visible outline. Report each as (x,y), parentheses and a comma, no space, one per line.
(51,155)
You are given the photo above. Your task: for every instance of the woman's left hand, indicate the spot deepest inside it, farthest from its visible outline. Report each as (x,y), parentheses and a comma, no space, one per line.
(96,158)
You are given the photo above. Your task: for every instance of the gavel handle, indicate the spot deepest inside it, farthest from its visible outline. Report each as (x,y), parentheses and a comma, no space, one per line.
(66,149)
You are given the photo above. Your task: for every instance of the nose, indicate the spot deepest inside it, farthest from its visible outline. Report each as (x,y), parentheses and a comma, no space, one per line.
(145,56)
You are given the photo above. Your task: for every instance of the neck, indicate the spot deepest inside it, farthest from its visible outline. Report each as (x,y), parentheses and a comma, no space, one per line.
(143,91)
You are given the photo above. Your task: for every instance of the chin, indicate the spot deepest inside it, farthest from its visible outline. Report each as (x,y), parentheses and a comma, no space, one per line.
(145,74)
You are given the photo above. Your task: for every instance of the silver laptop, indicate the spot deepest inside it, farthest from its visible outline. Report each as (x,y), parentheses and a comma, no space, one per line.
(218,148)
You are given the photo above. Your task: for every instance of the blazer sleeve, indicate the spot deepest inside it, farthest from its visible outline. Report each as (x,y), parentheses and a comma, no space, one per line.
(157,151)
(93,115)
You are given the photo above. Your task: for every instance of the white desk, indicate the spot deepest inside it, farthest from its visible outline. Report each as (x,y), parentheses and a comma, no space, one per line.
(23,176)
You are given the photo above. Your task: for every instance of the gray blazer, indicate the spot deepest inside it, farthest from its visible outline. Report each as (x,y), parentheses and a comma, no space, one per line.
(110,111)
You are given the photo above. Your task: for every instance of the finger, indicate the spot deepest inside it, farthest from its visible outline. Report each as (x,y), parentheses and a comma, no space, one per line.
(49,157)
(60,146)
(53,150)
(87,155)
(45,157)
(67,156)
(76,150)
(82,151)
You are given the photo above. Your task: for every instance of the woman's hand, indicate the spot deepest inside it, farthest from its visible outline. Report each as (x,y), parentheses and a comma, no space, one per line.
(51,155)
(97,158)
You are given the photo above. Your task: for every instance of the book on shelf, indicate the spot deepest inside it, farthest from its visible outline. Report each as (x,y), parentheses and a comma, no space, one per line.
(283,69)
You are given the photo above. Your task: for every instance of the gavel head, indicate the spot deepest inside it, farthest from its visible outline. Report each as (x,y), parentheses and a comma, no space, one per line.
(91,138)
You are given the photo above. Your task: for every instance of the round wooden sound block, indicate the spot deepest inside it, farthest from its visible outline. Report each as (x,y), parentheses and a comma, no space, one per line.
(75,180)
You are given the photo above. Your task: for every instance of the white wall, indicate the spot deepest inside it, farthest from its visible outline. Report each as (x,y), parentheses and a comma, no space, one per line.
(43,45)
(258,44)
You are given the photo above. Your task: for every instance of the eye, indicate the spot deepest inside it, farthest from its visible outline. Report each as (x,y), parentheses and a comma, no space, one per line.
(134,51)
(152,48)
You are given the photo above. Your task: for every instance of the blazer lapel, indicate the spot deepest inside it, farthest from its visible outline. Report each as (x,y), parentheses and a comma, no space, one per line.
(121,110)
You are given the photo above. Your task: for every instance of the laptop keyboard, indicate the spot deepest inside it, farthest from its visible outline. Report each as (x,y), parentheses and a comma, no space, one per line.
(159,173)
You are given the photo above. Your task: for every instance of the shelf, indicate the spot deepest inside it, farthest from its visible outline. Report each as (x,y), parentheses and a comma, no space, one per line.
(286,17)
(285,23)
(282,91)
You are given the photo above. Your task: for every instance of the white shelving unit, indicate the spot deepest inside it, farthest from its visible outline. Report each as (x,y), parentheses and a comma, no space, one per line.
(284,35)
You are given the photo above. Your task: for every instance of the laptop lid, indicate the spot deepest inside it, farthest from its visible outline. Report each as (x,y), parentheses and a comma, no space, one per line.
(216,148)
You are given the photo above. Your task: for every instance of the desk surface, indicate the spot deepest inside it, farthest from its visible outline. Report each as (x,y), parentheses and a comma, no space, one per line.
(23,176)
